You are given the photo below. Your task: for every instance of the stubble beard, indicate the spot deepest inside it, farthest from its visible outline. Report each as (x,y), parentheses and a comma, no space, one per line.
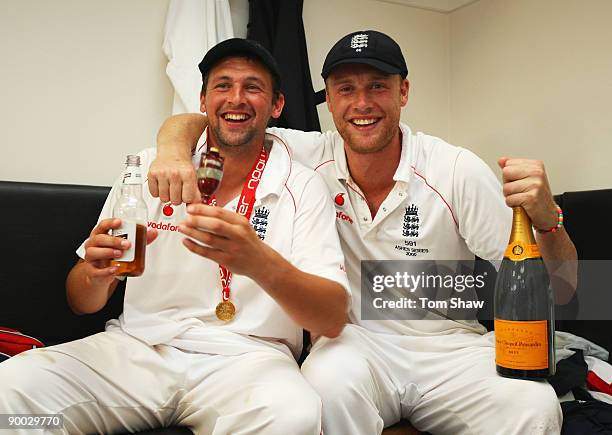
(233,141)
(369,145)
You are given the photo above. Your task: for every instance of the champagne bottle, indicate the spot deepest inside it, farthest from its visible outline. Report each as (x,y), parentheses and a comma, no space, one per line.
(132,210)
(524,308)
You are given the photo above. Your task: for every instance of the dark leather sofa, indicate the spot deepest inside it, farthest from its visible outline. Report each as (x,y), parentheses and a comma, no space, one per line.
(43,224)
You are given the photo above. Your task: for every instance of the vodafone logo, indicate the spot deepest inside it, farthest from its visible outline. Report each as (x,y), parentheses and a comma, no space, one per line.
(339,199)
(162,227)
(168,210)
(344,217)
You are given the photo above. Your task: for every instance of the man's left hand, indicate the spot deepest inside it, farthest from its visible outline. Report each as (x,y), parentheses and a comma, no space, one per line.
(526,185)
(229,238)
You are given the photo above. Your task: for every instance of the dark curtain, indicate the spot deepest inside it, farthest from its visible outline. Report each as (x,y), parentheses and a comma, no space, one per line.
(278,26)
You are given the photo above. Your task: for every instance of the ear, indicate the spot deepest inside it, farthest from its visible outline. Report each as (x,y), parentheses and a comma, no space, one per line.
(277,107)
(203,102)
(327,101)
(404,87)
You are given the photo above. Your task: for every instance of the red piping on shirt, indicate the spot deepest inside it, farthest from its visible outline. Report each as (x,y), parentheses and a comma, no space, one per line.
(324,163)
(439,194)
(356,191)
(280,139)
(372,214)
(292,197)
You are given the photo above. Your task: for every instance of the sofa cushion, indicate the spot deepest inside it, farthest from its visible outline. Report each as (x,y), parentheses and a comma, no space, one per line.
(580,211)
(42,226)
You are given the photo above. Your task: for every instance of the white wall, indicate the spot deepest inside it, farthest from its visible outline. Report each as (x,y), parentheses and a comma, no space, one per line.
(533,78)
(83,84)
(422,34)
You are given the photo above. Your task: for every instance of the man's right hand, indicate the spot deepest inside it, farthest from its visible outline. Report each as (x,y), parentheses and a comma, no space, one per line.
(101,248)
(173,179)
(91,282)
(172,176)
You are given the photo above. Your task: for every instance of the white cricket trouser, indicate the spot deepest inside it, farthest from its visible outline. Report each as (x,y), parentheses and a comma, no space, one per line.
(442,384)
(112,382)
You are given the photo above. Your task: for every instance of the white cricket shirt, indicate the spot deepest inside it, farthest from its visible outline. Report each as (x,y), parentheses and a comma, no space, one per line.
(174,301)
(446,204)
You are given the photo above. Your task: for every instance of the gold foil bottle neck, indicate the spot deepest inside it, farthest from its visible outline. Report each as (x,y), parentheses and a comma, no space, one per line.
(522,243)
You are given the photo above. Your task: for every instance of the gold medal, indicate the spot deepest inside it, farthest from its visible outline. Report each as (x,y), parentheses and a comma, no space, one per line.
(225,311)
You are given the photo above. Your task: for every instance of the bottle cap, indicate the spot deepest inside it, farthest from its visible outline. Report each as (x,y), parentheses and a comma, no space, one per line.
(132,160)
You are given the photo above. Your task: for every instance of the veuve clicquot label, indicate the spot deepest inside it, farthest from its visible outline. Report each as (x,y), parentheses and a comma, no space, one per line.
(518,250)
(521,345)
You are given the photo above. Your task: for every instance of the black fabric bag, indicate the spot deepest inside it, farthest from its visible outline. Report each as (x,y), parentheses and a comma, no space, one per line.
(586,418)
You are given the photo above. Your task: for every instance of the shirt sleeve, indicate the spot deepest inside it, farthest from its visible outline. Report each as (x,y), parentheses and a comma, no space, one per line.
(316,245)
(308,148)
(484,218)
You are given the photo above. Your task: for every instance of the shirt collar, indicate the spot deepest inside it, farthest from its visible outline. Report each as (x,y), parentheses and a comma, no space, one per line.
(342,171)
(278,169)
(404,169)
(278,166)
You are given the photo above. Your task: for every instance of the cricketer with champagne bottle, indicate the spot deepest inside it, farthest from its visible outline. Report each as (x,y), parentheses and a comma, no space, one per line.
(441,373)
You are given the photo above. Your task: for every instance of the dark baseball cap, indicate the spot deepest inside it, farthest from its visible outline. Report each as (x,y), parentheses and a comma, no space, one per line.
(237,47)
(367,47)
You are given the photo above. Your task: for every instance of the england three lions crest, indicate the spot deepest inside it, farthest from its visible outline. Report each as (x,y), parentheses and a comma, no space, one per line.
(410,227)
(260,221)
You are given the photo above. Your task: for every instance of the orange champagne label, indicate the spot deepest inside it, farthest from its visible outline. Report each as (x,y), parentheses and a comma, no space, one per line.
(521,345)
(517,251)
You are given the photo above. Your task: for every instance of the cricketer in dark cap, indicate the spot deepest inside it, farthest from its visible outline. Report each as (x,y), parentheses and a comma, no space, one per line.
(241,47)
(367,47)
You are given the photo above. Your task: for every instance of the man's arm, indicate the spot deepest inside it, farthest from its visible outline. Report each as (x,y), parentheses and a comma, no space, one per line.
(485,221)
(526,185)
(309,283)
(315,303)
(91,282)
(171,175)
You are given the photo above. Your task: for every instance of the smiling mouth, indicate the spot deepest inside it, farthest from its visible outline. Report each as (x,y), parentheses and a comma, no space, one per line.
(235,117)
(364,122)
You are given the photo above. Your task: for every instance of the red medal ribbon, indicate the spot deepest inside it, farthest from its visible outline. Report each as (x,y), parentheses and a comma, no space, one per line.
(245,208)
